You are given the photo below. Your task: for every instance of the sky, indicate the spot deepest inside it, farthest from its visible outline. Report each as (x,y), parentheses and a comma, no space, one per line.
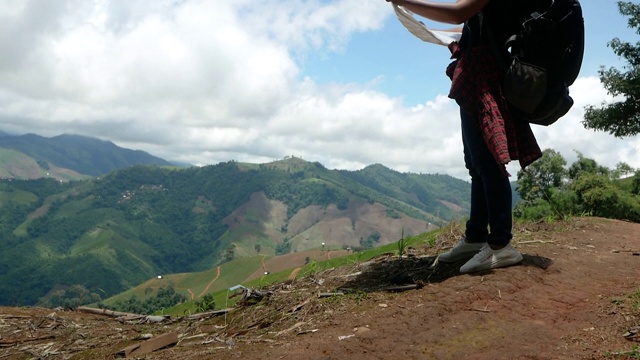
(339,82)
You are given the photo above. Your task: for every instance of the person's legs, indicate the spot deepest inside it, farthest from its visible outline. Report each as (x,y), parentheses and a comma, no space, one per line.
(476,231)
(490,204)
(490,190)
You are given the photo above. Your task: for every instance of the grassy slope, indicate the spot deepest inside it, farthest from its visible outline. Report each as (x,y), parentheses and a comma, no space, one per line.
(239,271)
(16,165)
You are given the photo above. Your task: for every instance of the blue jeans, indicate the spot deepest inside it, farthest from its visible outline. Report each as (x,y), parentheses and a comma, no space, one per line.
(490,189)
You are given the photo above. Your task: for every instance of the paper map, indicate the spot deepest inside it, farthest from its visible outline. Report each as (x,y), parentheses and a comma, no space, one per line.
(419,30)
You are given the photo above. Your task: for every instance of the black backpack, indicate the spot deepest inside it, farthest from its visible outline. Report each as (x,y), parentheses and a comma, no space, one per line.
(542,60)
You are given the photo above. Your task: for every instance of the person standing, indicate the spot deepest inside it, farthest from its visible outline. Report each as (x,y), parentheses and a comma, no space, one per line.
(490,136)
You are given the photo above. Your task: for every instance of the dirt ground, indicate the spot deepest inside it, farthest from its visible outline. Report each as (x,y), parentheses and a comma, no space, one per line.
(575,296)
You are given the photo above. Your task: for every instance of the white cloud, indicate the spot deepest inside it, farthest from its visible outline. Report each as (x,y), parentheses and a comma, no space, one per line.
(568,135)
(204,81)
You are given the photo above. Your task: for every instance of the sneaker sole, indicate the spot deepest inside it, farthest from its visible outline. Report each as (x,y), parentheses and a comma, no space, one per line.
(495,265)
(462,256)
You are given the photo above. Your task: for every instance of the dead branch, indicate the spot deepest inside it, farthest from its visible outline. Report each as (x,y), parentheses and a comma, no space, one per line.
(89,310)
(11,342)
(297,325)
(209,314)
(123,316)
(330,294)
(417,285)
(251,296)
(299,306)
(536,242)
(633,252)
(482,310)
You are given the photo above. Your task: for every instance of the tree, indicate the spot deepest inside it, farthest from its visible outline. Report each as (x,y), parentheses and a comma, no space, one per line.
(540,177)
(620,118)
(636,183)
(622,169)
(586,165)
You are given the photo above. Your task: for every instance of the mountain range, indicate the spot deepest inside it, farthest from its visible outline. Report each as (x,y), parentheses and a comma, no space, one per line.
(142,216)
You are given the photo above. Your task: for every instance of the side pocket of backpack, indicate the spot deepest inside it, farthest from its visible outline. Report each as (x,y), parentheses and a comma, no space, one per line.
(524,85)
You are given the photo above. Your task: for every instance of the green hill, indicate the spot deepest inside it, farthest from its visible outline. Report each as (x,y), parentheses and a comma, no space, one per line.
(113,233)
(77,154)
(16,165)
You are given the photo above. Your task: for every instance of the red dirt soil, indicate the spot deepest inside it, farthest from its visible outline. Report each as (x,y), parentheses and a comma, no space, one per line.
(569,299)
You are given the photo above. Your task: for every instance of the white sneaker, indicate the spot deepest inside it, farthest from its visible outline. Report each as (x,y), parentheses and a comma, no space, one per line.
(488,258)
(462,250)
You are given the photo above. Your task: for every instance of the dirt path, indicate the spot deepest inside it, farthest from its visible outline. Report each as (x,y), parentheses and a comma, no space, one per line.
(569,299)
(294,273)
(210,283)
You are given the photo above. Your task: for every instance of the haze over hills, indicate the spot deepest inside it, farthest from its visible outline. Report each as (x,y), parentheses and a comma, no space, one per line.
(119,230)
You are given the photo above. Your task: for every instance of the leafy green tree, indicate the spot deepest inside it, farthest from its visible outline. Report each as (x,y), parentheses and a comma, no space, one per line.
(206,303)
(230,252)
(621,170)
(620,118)
(165,297)
(548,189)
(586,165)
(74,296)
(598,195)
(636,183)
(370,241)
(283,248)
(543,175)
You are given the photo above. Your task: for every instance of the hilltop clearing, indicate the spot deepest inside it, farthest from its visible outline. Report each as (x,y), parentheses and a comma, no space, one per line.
(575,296)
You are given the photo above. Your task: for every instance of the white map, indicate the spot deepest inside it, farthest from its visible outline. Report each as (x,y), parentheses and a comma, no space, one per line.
(419,30)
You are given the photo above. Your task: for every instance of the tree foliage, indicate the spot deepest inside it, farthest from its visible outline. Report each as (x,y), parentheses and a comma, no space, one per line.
(549,189)
(116,231)
(165,297)
(620,118)
(543,175)
(72,297)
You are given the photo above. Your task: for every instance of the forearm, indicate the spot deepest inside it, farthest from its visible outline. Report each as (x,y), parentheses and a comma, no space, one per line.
(447,12)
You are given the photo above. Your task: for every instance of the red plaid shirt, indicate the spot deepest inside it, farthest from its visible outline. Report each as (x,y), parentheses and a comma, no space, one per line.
(476,87)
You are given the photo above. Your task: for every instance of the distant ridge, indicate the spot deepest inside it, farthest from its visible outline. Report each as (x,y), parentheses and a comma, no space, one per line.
(81,154)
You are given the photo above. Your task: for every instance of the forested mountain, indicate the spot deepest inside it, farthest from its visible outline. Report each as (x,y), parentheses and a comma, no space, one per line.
(80,154)
(111,233)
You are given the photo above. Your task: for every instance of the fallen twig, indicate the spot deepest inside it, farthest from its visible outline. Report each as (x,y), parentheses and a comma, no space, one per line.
(402,288)
(297,325)
(482,310)
(252,296)
(11,342)
(331,294)
(125,317)
(632,333)
(536,242)
(209,314)
(633,252)
(299,306)
(89,310)
(418,285)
